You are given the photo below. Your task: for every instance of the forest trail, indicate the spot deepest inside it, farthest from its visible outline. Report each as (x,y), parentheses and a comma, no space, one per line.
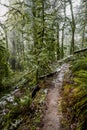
(51,118)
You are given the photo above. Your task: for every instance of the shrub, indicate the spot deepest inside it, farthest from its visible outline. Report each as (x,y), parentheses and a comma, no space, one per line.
(75,92)
(3,64)
(79,64)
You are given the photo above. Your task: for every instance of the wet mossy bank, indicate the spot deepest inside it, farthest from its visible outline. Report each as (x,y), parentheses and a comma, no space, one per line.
(74,101)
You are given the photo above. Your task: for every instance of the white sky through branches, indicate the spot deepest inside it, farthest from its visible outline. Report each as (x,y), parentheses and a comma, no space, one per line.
(3,9)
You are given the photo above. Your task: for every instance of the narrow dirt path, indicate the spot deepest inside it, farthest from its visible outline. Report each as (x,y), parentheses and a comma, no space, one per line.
(53,114)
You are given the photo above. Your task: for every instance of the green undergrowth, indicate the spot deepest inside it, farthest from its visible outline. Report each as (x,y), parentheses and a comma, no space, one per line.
(25,112)
(74,101)
(16,77)
(17,80)
(13,110)
(32,117)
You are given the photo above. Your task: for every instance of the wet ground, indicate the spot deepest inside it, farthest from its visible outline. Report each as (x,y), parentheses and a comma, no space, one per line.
(53,114)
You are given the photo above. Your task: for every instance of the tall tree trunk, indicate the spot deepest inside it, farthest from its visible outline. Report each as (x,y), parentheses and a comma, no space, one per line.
(63,29)
(62,44)
(13,60)
(43,20)
(72,48)
(35,38)
(83,37)
(58,44)
(6,39)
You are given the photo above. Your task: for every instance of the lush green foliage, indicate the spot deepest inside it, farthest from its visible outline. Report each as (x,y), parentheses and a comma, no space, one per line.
(23,109)
(75,96)
(37,33)
(3,63)
(80,64)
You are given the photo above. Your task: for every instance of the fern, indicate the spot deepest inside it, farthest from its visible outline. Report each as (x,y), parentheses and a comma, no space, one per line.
(80,64)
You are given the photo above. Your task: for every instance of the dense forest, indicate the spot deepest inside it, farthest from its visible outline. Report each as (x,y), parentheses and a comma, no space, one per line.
(38,39)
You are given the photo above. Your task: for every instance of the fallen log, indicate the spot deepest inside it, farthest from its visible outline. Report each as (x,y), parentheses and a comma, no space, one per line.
(37,87)
(48,75)
(82,50)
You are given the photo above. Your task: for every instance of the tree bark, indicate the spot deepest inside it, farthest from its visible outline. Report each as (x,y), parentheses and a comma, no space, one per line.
(82,50)
(58,44)
(43,20)
(62,45)
(72,48)
(83,36)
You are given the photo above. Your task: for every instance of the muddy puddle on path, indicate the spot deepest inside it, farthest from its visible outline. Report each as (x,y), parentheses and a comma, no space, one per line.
(51,118)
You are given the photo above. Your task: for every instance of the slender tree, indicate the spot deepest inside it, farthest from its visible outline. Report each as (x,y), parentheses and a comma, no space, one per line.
(73,27)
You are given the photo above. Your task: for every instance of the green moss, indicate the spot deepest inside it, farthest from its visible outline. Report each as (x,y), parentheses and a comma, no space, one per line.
(75,96)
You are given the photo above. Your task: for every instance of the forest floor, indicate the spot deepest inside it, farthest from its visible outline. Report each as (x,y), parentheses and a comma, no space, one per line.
(44,111)
(53,113)
(60,104)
